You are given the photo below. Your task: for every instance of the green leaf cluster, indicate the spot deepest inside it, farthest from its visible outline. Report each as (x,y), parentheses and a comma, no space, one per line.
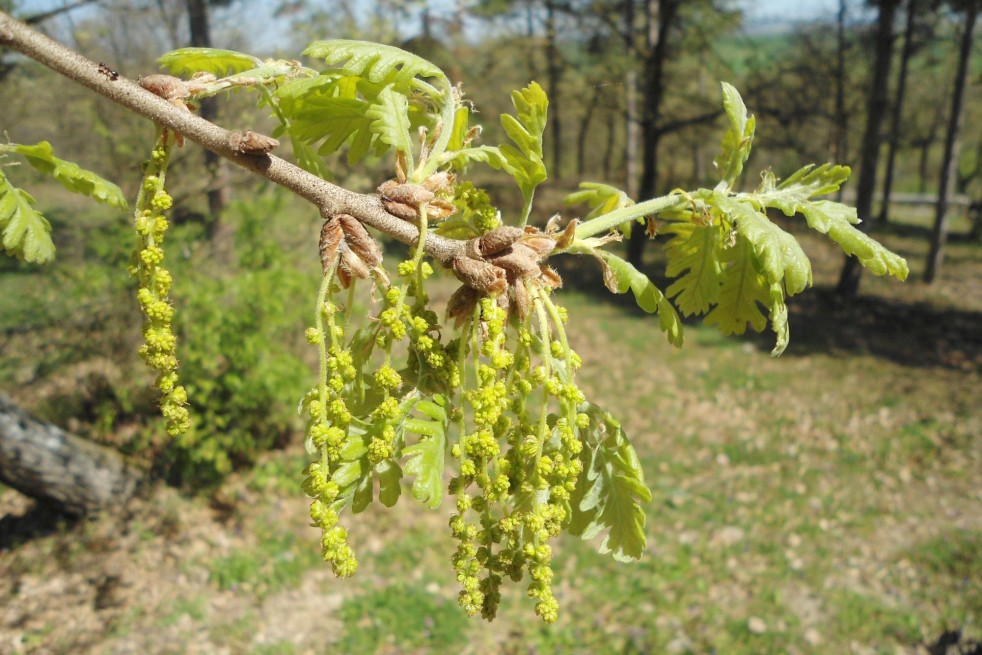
(728,260)
(372,101)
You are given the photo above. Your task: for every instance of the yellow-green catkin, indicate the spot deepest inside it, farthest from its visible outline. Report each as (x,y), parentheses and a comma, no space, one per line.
(160,345)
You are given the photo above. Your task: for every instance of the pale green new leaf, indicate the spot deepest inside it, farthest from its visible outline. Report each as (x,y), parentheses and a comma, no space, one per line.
(805,184)
(796,194)
(389,119)
(337,121)
(187,61)
(601,198)
(380,64)
(743,292)
(389,482)
(738,138)
(489,155)
(70,175)
(25,233)
(694,262)
(779,319)
(532,106)
(458,135)
(426,458)
(523,158)
(782,258)
(836,220)
(610,490)
(646,294)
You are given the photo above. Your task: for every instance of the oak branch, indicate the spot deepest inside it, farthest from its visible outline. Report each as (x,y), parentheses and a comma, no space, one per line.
(329,199)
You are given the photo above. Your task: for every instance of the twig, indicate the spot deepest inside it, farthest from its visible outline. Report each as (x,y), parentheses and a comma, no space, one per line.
(329,198)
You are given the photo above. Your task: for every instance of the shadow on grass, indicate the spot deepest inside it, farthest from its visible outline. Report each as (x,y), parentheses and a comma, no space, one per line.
(911,334)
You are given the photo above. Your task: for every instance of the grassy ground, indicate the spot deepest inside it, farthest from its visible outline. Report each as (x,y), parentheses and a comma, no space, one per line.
(823,502)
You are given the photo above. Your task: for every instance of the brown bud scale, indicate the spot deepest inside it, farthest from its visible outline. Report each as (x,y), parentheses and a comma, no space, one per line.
(480,275)
(498,239)
(331,236)
(360,241)
(251,143)
(520,261)
(167,87)
(408,194)
(399,210)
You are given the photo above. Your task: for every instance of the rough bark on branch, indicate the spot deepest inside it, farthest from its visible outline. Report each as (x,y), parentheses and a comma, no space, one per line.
(44,462)
(330,199)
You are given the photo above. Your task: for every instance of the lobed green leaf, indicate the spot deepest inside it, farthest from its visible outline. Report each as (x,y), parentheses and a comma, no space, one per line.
(610,490)
(781,257)
(389,119)
(743,291)
(70,175)
(218,62)
(837,221)
(646,294)
(380,64)
(426,458)
(738,138)
(601,198)
(694,262)
(26,234)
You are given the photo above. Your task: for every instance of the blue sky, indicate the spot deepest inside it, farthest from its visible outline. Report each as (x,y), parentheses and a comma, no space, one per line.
(787,10)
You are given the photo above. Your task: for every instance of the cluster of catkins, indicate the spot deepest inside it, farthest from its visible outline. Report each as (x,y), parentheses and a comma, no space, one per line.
(509,373)
(160,344)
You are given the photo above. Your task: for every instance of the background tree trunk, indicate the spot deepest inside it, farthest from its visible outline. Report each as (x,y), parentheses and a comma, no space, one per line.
(217,169)
(44,462)
(896,113)
(876,106)
(950,160)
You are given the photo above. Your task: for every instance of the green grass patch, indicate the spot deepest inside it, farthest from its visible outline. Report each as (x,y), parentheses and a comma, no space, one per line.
(951,565)
(859,617)
(401,618)
(278,561)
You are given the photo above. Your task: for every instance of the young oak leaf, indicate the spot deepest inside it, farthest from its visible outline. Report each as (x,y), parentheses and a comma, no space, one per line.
(70,175)
(620,275)
(379,64)
(523,157)
(737,140)
(694,262)
(426,458)
(218,62)
(837,220)
(743,291)
(781,257)
(610,491)
(601,198)
(389,119)
(24,232)
(796,194)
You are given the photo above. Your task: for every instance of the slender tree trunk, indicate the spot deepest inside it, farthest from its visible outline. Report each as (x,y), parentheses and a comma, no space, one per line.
(950,159)
(554,71)
(840,131)
(585,130)
(42,461)
(893,139)
(217,169)
(632,128)
(850,276)
(661,16)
